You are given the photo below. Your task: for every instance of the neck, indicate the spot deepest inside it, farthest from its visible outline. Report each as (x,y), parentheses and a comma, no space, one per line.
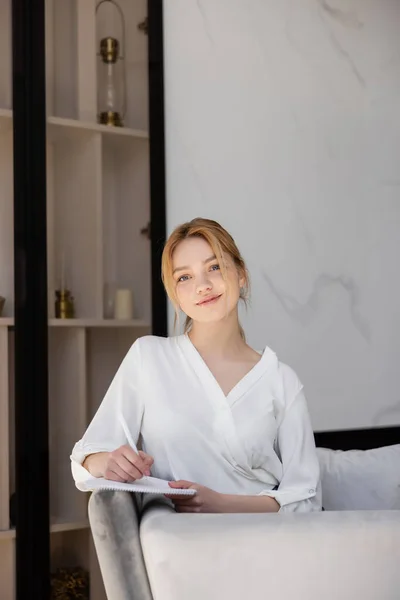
(217,339)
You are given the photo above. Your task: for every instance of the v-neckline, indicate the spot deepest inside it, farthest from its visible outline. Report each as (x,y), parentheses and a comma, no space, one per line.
(207,376)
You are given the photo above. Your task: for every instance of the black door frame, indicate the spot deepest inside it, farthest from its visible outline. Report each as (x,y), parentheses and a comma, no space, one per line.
(157,163)
(30,290)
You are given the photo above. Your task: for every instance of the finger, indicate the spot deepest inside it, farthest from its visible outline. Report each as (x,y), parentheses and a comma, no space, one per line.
(115,474)
(149,460)
(185,502)
(135,459)
(177,497)
(181,484)
(131,472)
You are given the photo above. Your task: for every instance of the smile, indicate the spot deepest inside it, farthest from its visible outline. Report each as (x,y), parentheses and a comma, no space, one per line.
(208,301)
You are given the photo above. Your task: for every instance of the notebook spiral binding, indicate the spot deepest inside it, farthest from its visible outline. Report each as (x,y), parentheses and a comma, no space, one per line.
(148,485)
(171,492)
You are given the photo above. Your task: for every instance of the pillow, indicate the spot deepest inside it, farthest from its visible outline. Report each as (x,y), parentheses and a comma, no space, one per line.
(360,479)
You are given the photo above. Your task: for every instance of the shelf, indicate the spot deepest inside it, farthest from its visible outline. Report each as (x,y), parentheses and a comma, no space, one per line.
(7,534)
(6,322)
(60,128)
(5,119)
(87,323)
(58,124)
(97,323)
(60,526)
(57,527)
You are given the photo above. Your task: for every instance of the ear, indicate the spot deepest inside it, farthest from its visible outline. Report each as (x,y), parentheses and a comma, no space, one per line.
(242,279)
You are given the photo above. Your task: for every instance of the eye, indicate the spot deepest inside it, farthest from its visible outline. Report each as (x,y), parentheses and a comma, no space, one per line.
(182,278)
(215,267)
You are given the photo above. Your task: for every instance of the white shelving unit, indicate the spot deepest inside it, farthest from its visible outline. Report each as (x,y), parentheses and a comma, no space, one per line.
(97,203)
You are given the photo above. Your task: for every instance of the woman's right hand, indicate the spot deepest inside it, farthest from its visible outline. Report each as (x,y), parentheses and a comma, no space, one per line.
(125,465)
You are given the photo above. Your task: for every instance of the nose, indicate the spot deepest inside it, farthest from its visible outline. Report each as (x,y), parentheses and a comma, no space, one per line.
(203,286)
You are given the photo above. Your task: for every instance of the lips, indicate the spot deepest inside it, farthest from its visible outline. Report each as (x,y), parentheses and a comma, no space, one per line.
(208,300)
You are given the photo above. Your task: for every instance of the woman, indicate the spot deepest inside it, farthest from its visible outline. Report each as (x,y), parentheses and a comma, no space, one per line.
(211,413)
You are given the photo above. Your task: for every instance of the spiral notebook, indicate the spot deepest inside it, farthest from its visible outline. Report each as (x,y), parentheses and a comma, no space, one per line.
(148,485)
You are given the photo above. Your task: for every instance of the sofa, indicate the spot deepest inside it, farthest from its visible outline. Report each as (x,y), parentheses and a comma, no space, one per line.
(351,551)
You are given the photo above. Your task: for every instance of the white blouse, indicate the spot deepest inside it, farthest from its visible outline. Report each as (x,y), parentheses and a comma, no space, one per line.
(257,437)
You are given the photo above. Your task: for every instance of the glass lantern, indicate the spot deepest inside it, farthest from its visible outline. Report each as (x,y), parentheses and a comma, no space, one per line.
(111,84)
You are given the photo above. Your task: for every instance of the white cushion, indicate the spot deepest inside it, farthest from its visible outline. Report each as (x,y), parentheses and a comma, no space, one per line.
(360,479)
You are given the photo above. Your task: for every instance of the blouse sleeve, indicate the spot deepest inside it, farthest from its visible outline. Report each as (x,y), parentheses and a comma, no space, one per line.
(299,489)
(117,420)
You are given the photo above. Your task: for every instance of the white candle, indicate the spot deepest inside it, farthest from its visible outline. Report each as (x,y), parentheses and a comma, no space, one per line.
(123,308)
(63,271)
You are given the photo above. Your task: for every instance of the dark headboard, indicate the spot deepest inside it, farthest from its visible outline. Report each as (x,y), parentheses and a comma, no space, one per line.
(358,439)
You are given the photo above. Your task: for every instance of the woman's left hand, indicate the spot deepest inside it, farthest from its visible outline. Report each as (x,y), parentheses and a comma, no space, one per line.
(204,501)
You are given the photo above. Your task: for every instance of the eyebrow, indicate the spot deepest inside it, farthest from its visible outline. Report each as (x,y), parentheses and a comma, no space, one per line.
(213,257)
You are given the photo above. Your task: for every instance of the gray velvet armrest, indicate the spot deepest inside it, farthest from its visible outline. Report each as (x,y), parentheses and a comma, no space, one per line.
(114,522)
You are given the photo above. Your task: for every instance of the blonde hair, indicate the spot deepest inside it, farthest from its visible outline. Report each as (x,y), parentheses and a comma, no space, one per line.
(220,241)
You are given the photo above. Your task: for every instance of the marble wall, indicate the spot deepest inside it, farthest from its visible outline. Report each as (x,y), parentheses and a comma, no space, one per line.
(283,123)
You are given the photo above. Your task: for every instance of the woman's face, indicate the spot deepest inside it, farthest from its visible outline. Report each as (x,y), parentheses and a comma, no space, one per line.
(202,293)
